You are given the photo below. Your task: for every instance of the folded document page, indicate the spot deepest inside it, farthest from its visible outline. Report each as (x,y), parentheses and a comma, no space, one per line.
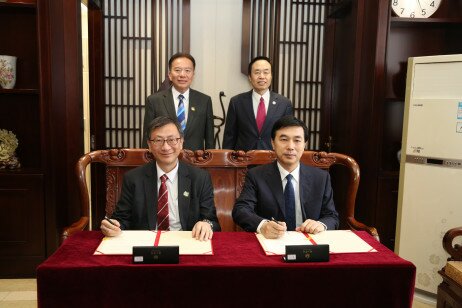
(339,241)
(123,244)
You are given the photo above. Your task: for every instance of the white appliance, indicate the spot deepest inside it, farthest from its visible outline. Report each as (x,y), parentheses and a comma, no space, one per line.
(430,183)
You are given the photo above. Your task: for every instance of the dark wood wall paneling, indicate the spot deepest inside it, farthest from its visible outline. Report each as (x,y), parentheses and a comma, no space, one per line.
(97,108)
(65,115)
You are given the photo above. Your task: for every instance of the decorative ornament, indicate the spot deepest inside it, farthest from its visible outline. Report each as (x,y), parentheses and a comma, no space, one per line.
(7,71)
(8,145)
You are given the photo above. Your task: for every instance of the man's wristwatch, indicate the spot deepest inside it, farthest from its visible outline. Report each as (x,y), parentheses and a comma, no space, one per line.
(209,222)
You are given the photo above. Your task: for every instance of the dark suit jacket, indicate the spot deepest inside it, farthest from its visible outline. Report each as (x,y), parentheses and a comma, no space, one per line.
(241,131)
(262,197)
(137,206)
(199,126)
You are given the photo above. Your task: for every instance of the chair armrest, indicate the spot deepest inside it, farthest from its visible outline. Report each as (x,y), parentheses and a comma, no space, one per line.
(359,226)
(79,225)
(454,250)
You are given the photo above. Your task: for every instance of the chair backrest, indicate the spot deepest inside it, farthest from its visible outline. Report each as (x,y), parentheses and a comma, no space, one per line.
(227,169)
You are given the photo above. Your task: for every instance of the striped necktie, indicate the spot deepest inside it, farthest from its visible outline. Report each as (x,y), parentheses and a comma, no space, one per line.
(181,113)
(162,205)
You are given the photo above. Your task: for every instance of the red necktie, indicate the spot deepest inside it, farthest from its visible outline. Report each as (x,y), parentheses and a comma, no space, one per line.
(261,114)
(162,205)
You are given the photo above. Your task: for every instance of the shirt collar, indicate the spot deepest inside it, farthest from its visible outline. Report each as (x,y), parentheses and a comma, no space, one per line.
(171,175)
(266,96)
(295,173)
(175,93)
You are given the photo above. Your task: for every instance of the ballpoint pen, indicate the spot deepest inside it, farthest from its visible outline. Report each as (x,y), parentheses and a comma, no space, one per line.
(110,221)
(272,219)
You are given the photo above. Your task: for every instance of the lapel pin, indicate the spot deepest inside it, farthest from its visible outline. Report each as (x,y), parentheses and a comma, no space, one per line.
(193,109)
(274,103)
(186,194)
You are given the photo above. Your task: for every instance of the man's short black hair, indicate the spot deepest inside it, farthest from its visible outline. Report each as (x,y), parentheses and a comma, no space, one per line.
(181,55)
(288,121)
(249,69)
(162,121)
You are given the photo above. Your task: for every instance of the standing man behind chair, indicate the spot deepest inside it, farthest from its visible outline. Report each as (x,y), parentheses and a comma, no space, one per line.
(251,115)
(296,196)
(165,194)
(192,108)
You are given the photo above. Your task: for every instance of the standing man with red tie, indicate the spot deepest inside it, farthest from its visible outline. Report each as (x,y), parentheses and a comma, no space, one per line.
(165,194)
(251,115)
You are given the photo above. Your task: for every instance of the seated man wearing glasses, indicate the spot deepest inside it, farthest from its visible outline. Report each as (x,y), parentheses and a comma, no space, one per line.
(192,108)
(165,194)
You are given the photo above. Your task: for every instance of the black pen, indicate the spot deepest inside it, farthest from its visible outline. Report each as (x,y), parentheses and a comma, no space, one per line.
(110,221)
(272,219)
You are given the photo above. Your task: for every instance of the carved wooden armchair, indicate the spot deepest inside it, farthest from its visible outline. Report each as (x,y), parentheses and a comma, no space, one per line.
(227,169)
(450,290)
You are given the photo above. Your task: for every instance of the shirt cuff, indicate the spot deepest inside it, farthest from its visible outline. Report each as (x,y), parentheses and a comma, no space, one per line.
(260,225)
(325,227)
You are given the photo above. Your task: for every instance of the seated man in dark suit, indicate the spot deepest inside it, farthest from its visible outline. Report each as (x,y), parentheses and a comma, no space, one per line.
(192,108)
(251,115)
(165,194)
(286,195)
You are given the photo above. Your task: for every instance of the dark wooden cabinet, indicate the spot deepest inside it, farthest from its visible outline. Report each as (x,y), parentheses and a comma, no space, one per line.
(22,223)
(22,197)
(365,73)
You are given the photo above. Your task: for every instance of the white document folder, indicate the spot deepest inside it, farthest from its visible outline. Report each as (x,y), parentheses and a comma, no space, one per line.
(339,241)
(123,244)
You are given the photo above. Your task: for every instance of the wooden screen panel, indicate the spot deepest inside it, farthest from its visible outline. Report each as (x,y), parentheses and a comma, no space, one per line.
(291,34)
(140,36)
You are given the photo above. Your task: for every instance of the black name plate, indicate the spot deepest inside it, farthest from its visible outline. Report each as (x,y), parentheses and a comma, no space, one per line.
(156,255)
(307,253)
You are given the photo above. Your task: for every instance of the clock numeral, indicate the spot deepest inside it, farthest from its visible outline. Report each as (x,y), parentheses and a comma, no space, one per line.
(424,12)
(412,15)
(402,11)
(395,2)
(432,4)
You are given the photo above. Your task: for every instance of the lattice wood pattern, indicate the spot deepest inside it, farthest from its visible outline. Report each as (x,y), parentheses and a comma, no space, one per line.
(140,36)
(291,34)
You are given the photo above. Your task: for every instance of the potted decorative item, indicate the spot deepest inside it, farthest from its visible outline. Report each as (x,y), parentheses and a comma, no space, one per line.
(7,71)
(8,145)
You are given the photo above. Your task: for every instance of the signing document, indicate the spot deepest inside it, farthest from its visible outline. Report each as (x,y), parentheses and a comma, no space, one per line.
(339,241)
(123,243)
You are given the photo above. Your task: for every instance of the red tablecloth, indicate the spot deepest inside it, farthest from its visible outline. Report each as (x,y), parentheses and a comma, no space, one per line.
(239,274)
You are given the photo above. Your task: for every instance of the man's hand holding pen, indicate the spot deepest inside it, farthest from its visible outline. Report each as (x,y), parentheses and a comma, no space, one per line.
(110,227)
(273,228)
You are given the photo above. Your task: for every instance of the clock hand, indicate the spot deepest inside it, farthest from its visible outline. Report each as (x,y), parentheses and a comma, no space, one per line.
(418,1)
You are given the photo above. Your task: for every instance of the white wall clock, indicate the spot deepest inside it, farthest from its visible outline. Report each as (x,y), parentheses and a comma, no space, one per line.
(415,8)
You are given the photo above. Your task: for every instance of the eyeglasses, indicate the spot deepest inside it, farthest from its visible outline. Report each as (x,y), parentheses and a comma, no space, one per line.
(187,71)
(158,142)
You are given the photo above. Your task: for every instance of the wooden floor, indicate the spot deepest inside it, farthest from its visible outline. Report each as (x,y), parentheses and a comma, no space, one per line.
(18,293)
(22,293)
